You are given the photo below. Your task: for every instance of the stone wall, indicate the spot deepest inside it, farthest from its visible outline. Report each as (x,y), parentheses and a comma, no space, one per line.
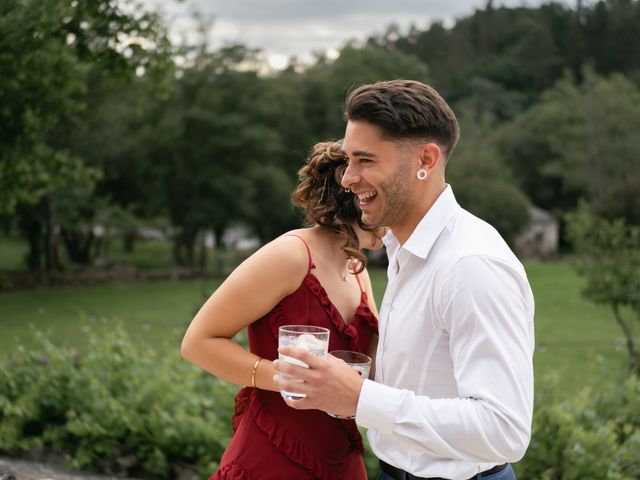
(541,237)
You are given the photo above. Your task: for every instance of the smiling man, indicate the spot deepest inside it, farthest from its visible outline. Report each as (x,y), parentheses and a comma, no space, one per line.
(453,390)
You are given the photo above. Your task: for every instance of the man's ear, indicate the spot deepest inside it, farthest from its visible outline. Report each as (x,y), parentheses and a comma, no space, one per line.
(430,156)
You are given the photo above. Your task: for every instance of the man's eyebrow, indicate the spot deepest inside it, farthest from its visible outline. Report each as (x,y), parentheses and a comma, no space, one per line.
(363,153)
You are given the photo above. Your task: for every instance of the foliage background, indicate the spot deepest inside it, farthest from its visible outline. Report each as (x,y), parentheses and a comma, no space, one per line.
(110,133)
(105,122)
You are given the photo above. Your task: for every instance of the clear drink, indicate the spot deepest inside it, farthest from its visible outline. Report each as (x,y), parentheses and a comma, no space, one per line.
(313,339)
(360,362)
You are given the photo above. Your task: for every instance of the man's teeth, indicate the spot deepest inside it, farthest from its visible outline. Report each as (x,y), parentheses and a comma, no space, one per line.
(363,197)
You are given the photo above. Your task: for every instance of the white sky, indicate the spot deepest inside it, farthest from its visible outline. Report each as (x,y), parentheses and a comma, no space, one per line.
(284,28)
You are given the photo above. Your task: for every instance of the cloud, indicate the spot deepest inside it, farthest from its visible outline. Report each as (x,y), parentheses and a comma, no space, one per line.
(309,35)
(276,11)
(300,27)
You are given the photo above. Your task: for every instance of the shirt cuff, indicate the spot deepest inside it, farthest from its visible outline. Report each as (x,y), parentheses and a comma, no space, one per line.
(377,406)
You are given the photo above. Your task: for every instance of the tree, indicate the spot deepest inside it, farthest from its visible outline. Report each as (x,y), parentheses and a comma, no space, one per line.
(53,56)
(482,181)
(581,140)
(271,213)
(525,50)
(524,141)
(513,48)
(40,80)
(210,133)
(115,135)
(327,84)
(608,257)
(284,109)
(611,34)
(599,149)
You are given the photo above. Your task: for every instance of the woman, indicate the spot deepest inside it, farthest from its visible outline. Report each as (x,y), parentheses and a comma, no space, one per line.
(313,276)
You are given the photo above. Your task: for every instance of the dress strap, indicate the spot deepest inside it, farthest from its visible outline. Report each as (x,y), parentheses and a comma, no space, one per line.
(311,265)
(359,282)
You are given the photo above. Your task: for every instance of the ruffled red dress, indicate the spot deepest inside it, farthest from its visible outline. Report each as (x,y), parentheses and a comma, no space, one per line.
(272,440)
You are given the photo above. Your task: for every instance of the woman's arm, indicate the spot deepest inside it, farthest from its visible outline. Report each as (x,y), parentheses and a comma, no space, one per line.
(251,291)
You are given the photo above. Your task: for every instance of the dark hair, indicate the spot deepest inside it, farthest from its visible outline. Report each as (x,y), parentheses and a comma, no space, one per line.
(405,109)
(325,202)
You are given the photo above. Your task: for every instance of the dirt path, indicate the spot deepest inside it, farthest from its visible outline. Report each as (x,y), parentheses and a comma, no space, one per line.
(23,470)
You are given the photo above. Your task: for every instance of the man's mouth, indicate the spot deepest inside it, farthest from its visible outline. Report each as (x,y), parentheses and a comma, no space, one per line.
(365,198)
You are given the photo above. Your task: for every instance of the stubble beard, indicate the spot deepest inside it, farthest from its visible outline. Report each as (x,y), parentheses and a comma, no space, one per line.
(396,197)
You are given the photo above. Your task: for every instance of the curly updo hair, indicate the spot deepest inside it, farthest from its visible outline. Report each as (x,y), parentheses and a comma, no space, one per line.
(324,201)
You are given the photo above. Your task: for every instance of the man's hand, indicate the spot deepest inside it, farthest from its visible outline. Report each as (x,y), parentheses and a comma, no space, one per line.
(329,384)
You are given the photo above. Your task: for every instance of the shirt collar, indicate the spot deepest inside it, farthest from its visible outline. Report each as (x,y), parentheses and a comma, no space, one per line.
(434,221)
(390,241)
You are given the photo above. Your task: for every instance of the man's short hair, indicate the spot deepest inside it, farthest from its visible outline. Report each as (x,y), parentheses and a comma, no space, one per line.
(405,110)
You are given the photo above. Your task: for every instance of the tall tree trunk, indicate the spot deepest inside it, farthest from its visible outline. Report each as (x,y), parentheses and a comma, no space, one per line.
(184,247)
(34,257)
(129,240)
(78,243)
(31,225)
(51,258)
(105,249)
(218,231)
(203,256)
(634,358)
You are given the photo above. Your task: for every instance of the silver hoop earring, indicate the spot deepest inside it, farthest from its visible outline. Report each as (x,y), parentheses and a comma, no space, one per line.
(347,190)
(422,174)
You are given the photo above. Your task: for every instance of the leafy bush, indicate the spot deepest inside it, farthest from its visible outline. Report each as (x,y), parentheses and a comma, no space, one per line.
(120,408)
(594,435)
(132,410)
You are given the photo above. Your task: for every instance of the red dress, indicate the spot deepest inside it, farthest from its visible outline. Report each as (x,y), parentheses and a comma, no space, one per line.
(274,441)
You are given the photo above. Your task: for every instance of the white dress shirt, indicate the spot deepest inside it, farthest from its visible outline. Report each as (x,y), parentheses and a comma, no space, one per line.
(453,394)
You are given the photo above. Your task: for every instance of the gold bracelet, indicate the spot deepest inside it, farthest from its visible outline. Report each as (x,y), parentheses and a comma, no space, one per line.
(253,372)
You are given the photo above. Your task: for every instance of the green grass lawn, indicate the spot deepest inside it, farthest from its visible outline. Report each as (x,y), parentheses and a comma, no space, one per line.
(156,313)
(577,341)
(13,252)
(147,254)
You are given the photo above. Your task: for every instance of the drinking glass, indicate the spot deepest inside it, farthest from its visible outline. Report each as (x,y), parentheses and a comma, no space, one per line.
(360,362)
(312,339)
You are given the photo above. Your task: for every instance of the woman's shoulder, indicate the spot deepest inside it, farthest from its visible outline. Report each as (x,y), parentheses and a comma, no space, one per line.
(290,248)
(294,240)
(280,264)
(289,252)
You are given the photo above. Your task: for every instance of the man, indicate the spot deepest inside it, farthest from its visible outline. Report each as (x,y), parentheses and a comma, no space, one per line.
(453,390)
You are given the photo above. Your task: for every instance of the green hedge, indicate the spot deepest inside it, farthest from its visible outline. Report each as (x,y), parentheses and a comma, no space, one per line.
(130,410)
(595,435)
(117,408)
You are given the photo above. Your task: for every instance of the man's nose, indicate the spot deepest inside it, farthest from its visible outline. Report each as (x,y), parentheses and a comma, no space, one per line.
(349,177)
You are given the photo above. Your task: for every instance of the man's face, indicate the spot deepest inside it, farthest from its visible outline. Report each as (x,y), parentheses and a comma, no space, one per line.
(380,174)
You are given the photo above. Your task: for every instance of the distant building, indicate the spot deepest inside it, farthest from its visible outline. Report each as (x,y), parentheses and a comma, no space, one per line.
(541,237)
(238,237)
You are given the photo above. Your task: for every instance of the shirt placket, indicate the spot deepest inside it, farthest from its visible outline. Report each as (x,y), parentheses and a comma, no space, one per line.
(388,304)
